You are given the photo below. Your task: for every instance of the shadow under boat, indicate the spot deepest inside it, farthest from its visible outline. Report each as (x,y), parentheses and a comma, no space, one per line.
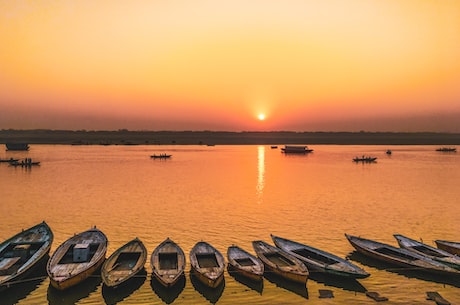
(211,294)
(76,293)
(116,295)
(349,284)
(453,280)
(297,288)
(254,285)
(168,294)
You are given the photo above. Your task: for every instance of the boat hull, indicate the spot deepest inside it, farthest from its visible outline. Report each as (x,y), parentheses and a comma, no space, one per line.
(448,246)
(168,263)
(207,264)
(124,264)
(40,237)
(244,264)
(77,259)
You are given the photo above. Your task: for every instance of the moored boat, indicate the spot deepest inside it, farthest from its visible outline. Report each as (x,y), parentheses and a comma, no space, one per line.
(280,262)
(447,149)
(123,264)
(244,263)
(168,262)
(320,261)
(448,246)
(17,146)
(398,256)
(295,149)
(207,264)
(20,254)
(77,258)
(436,254)
(10,160)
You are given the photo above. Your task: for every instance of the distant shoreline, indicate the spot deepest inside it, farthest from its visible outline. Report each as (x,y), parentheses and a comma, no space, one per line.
(126,137)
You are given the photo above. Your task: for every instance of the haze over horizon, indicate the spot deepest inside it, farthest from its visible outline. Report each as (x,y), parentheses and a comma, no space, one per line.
(334,65)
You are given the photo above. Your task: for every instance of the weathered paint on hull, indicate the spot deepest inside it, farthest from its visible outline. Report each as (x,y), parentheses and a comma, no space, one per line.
(78,278)
(167,283)
(250,275)
(295,277)
(213,283)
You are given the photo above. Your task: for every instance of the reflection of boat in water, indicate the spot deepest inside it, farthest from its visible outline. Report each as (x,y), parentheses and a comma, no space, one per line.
(160,156)
(294,149)
(21,253)
(77,259)
(244,263)
(398,256)
(447,149)
(436,254)
(318,260)
(364,159)
(125,263)
(17,146)
(280,262)
(448,246)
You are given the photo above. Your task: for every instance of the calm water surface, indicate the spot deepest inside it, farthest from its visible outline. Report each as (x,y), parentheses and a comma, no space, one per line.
(233,195)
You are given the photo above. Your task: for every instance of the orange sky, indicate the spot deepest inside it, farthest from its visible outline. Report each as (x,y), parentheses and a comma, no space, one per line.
(308,65)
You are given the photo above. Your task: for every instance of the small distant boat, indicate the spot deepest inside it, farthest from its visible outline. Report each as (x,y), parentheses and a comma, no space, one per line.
(281,262)
(447,149)
(436,254)
(245,263)
(161,156)
(168,262)
(319,260)
(389,152)
(273,146)
(20,254)
(10,160)
(17,146)
(125,263)
(27,162)
(398,256)
(207,264)
(77,258)
(448,246)
(294,149)
(364,159)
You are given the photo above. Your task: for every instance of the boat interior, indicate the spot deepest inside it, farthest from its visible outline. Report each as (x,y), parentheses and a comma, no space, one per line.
(278,259)
(428,251)
(168,260)
(244,261)
(207,260)
(391,252)
(314,256)
(79,253)
(126,260)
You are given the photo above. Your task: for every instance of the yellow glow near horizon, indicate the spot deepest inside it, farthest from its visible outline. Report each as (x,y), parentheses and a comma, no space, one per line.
(217,64)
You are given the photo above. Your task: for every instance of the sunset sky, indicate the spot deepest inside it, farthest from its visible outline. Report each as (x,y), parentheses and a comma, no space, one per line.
(306,65)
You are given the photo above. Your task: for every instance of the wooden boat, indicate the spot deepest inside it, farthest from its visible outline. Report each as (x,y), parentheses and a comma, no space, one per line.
(448,246)
(160,156)
(436,254)
(25,163)
(10,160)
(280,262)
(17,146)
(447,149)
(245,263)
(398,256)
(168,262)
(24,251)
(318,260)
(125,263)
(365,159)
(294,149)
(77,258)
(207,264)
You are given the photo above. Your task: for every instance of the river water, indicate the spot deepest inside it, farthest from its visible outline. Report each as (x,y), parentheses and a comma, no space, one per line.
(233,195)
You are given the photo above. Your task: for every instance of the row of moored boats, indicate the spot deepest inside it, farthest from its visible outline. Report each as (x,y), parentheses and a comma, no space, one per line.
(83,254)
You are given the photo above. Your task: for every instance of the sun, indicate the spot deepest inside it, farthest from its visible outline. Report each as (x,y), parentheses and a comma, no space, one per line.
(261,116)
